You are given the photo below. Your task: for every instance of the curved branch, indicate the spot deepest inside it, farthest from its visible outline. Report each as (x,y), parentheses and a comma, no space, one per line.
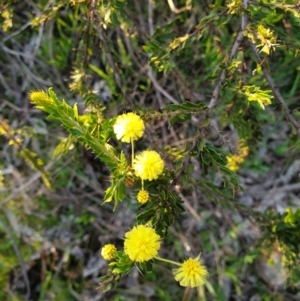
(176,10)
(234,49)
(275,90)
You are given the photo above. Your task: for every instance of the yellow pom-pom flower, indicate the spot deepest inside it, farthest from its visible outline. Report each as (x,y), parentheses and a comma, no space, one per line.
(148,165)
(129,127)
(143,196)
(232,162)
(108,252)
(192,272)
(142,243)
(235,160)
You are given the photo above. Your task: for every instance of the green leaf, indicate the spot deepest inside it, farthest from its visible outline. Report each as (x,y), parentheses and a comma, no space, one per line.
(68,116)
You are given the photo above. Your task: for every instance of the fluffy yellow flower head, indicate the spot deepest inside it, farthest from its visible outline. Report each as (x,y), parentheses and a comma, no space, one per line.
(148,165)
(108,252)
(143,196)
(235,160)
(129,127)
(192,272)
(142,243)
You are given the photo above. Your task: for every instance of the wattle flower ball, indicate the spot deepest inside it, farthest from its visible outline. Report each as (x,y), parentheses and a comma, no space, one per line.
(143,196)
(148,165)
(108,252)
(142,243)
(129,127)
(192,272)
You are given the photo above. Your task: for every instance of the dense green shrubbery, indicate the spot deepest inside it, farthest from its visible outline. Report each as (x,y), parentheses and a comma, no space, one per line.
(192,71)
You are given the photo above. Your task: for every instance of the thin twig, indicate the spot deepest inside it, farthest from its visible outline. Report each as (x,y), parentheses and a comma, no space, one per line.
(275,90)
(7,87)
(234,49)
(57,74)
(110,58)
(200,135)
(176,10)
(6,103)
(150,17)
(150,73)
(27,56)
(28,23)
(160,88)
(26,185)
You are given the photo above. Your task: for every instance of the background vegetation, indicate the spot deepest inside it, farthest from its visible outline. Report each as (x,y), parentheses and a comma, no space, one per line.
(217,83)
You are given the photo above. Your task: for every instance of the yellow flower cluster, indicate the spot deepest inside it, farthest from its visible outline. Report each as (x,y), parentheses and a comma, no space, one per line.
(129,127)
(192,272)
(235,160)
(143,196)
(142,243)
(148,165)
(108,252)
